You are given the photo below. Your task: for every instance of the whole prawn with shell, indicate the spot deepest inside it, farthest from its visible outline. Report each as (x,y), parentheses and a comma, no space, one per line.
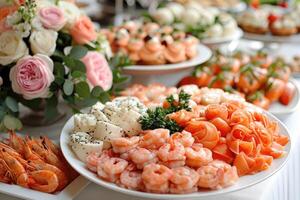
(35,163)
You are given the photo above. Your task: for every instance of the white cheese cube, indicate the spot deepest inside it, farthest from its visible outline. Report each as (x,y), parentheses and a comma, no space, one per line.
(84,123)
(105,131)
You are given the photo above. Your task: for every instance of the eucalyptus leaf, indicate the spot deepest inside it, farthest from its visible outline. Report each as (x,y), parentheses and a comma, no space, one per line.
(59,80)
(96,91)
(68,87)
(12,123)
(12,104)
(78,74)
(87,102)
(74,65)
(104,97)
(82,89)
(59,69)
(78,52)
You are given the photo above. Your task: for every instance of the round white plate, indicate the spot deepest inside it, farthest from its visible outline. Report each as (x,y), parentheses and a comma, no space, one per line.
(268,38)
(278,109)
(204,53)
(222,40)
(243,182)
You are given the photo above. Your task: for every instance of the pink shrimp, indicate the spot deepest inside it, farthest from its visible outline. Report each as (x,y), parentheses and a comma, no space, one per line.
(185,138)
(184,180)
(111,168)
(122,145)
(156,178)
(172,155)
(230,172)
(209,177)
(197,156)
(131,178)
(93,159)
(154,139)
(142,157)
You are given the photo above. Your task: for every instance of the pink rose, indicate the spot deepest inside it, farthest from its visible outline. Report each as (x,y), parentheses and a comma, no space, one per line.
(97,70)
(32,76)
(52,18)
(83,31)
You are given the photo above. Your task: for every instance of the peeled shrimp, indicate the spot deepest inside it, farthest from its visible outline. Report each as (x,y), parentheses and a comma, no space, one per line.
(172,153)
(197,156)
(184,179)
(185,138)
(209,177)
(122,145)
(156,178)
(142,157)
(131,178)
(111,168)
(154,139)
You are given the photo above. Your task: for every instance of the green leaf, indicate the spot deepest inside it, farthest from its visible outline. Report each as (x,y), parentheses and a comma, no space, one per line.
(96,91)
(68,87)
(12,123)
(74,65)
(82,89)
(78,52)
(12,104)
(59,80)
(104,97)
(59,69)
(2,112)
(78,74)
(51,108)
(87,102)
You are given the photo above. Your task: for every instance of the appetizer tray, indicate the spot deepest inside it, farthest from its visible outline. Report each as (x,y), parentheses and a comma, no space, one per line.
(268,38)
(242,183)
(204,53)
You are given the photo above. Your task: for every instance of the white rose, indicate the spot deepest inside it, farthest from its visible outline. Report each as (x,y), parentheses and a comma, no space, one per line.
(71,13)
(43,41)
(12,47)
(163,16)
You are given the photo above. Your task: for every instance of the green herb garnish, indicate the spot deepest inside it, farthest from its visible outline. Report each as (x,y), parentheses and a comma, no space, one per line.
(157,118)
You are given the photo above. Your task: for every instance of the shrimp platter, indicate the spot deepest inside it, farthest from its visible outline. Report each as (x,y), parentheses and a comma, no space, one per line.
(34,163)
(190,140)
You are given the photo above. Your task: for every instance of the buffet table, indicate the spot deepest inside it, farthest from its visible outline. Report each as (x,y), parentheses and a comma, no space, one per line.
(281,186)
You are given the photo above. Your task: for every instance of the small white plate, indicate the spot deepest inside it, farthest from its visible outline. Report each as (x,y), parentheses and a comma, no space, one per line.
(268,38)
(279,110)
(69,193)
(204,53)
(243,182)
(222,40)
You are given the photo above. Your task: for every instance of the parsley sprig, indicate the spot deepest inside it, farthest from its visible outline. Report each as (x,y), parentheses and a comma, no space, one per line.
(157,118)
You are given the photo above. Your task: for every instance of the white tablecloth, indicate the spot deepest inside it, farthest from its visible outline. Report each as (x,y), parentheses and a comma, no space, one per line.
(285,185)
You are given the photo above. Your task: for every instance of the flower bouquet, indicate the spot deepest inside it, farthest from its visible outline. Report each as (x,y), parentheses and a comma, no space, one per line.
(48,50)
